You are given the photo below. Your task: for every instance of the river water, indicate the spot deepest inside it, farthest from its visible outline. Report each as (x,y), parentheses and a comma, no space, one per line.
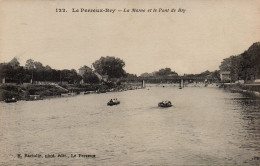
(206,126)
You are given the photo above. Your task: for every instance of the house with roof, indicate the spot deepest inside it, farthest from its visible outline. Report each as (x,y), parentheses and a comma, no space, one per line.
(87,69)
(225,76)
(101,77)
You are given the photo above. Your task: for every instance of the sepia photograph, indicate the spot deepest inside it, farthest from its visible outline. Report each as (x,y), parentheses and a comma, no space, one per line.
(129,82)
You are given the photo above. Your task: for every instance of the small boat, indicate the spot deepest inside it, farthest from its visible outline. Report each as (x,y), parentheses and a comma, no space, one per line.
(34,97)
(89,92)
(165,104)
(113,102)
(68,94)
(101,91)
(11,100)
(72,94)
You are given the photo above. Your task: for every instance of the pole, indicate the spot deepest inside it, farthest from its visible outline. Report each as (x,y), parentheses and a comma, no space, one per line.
(32,77)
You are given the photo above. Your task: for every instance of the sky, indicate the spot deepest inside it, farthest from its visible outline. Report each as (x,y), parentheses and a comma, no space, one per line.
(190,42)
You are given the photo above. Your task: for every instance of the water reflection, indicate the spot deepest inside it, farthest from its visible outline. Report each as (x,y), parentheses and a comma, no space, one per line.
(250,113)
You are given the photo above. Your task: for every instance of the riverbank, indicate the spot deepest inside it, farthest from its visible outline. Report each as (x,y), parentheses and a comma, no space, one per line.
(250,89)
(27,91)
(199,84)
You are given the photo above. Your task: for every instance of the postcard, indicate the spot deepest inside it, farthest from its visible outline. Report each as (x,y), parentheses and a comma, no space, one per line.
(129,82)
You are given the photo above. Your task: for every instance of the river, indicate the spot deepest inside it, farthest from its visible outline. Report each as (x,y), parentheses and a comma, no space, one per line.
(206,126)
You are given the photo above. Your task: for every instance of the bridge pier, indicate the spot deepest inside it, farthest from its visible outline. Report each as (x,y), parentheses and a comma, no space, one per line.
(143,84)
(181,83)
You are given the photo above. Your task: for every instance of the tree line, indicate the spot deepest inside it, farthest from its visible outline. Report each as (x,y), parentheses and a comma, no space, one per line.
(160,73)
(167,72)
(35,71)
(245,66)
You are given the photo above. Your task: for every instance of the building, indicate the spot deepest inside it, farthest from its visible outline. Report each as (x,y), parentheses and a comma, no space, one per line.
(84,69)
(225,76)
(101,77)
(257,81)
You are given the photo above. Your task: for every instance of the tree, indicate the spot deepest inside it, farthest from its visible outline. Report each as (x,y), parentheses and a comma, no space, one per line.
(205,73)
(145,74)
(38,66)
(70,76)
(216,75)
(7,71)
(245,66)
(29,64)
(48,68)
(131,77)
(20,75)
(165,72)
(12,73)
(225,64)
(90,78)
(14,63)
(111,66)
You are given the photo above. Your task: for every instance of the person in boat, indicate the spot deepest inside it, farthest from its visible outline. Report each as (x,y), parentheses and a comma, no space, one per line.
(166,102)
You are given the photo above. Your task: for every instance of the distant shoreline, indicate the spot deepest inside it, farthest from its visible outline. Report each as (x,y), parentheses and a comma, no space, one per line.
(30,92)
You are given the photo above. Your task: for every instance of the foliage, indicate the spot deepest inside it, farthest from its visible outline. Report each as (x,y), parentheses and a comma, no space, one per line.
(162,72)
(145,75)
(14,63)
(245,66)
(29,64)
(205,75)
(165,72)
(12,72)
(131,77)
(111,66)
(89,77)
(70,76)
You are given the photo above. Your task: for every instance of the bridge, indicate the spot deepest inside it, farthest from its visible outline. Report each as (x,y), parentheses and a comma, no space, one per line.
(176,79)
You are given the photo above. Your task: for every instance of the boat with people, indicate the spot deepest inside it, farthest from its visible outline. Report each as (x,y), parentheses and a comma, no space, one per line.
(10,100)
(113,102)
(165,104)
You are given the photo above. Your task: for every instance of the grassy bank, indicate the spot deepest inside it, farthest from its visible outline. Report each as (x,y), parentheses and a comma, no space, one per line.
(23,91)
